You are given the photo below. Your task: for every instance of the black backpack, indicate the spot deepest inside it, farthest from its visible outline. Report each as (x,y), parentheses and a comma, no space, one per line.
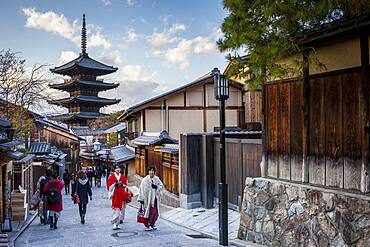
(53,194)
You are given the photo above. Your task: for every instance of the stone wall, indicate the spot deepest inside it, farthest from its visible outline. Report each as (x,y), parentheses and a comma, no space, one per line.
(277,213)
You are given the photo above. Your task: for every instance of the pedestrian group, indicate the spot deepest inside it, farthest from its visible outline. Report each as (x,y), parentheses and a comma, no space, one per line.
(48,198)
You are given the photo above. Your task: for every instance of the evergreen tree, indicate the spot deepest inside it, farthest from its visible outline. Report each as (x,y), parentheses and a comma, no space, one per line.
(265,31)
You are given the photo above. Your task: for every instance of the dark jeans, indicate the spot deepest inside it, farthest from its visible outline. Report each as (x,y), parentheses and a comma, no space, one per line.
(153,215)
(82,208)
(66,188)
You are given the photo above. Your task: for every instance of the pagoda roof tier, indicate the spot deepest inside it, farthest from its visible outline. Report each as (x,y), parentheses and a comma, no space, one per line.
(91,100)
(71,85)
(83,64)
(78,116)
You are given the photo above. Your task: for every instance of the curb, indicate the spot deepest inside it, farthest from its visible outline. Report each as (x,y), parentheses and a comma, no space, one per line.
(24,227)
(233,242)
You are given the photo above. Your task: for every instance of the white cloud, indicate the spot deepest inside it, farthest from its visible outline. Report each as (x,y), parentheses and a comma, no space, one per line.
(203,45)
(58,24)
(161,39)
(180,54)
(67,56)
(97,39)
(112,58)
(131,2)
(177,27)
(107,2)
(136,73)
(50,22)
(131,36)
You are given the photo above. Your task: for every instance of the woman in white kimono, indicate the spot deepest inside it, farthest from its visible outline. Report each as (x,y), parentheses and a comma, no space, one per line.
(150,193)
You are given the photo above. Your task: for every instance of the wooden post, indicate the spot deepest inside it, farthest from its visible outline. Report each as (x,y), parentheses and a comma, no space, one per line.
(364,44)
(264,132)
(306,110)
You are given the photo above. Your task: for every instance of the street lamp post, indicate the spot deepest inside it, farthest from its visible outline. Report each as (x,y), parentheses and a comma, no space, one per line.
(221,91)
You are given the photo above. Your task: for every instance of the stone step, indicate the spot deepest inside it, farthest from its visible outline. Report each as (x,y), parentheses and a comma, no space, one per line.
(18,217)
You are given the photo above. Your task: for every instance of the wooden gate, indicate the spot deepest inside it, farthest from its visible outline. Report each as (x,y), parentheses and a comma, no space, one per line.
(243,158)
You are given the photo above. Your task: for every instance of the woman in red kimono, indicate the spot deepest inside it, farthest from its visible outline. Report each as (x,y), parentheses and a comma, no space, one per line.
(118,181)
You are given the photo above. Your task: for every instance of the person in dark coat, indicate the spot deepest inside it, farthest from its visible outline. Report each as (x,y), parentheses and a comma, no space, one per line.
(43,212)
(83,189)
(67,177)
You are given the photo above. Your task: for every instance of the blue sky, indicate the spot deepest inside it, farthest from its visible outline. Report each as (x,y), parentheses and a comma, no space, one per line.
(157,45)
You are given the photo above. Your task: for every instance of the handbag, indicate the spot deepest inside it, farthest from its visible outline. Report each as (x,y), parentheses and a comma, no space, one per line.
(35,200)
(75,197)
(111,192)
(129,195)
(140,215)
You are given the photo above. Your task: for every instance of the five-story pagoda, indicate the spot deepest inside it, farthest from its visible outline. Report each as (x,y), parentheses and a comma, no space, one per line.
(84,102)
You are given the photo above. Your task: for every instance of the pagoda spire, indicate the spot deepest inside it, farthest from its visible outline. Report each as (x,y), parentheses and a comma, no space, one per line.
(83,36)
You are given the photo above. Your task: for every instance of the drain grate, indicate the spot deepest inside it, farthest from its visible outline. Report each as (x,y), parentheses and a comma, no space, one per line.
(196,236)
(123,234)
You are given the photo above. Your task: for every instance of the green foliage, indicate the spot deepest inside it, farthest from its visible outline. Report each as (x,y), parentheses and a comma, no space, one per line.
(265,31)
(113,140)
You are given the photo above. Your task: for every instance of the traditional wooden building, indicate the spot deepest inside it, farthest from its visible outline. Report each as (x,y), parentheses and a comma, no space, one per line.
(83,86)
(252,100)
(315,186)
(189,108)
(58,135)
(161,151)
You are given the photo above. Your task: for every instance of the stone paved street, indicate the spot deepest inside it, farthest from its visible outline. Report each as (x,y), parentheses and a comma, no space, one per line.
(97,230)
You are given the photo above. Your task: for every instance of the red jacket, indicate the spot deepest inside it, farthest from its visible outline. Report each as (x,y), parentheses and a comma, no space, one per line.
(119,195)
(59,185)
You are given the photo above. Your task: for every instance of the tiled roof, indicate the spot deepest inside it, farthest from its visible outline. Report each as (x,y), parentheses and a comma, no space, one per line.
(55,124)
(25,159)
(84,62)
(168,148)
(85,99)
(122,153)
(116,128)
(80,115)
(39,148)
(153,138)
(84,83)
(5,123)
(86,131)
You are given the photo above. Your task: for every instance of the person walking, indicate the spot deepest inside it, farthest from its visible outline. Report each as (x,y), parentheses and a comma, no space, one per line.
(67,177)
(53,190)
(43,180)
(90,174)
(150,192)
(117,182)
(83,190)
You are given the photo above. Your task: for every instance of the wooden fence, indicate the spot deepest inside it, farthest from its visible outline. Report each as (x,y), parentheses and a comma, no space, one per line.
(334,108)
(166,165)
(200,165)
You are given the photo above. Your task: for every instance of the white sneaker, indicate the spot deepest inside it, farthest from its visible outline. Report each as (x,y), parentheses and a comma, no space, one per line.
(116,227)
(148,229)
(154,228)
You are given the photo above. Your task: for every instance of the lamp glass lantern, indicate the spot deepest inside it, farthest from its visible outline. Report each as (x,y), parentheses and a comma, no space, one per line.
(221,85)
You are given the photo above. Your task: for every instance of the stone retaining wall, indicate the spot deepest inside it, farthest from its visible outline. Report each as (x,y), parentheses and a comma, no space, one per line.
(277,213)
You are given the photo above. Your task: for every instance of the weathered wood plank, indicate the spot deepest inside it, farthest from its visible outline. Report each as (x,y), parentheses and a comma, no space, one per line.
(296,126)
(316,149)
(272,130)
(334,131)
(234,171)
(284,131)
(352,127)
